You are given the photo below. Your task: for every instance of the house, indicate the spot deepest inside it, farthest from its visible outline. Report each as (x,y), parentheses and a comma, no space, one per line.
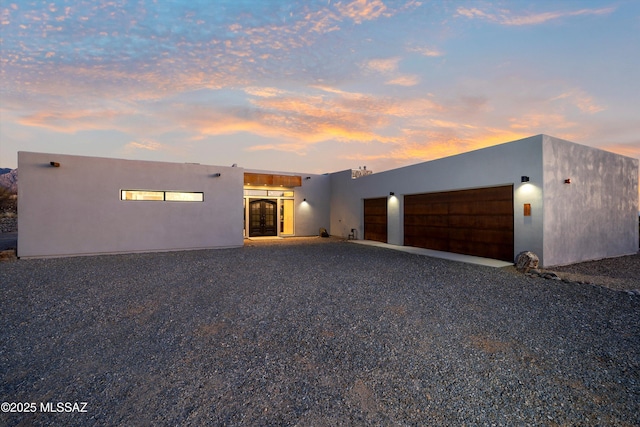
(564,201)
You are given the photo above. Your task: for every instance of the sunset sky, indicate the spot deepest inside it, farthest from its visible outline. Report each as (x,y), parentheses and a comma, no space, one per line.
(314,86)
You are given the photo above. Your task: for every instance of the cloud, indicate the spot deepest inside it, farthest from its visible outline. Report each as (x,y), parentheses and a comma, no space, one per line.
(144,145)
(362,10)
(407,80)
(72,121)
(506,17)
(581,100)
(263,92)
(426,51)
(384,66)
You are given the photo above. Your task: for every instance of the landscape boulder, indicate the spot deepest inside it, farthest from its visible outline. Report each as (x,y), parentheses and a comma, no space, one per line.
(526,261)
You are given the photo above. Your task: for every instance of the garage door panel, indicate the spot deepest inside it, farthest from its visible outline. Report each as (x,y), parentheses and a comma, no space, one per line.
(480,221)
(435,232)
(376,211)
(375,219)
(475,222)
(427,242)
(424,208)
(481,208)
(427,220)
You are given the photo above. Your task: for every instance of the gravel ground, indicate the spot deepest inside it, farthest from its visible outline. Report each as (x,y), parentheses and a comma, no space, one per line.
(312,332)
(620,273)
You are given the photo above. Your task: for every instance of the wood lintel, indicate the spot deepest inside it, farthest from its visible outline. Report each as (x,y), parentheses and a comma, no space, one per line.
(272,180)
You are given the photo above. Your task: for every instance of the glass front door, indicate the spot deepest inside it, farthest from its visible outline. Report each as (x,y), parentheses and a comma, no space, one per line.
(263,218)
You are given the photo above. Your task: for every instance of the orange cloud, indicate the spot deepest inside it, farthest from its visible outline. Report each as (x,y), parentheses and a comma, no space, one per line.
(72,121)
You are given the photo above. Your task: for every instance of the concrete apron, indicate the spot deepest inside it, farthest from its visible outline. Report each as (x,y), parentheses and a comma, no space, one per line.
(469,259)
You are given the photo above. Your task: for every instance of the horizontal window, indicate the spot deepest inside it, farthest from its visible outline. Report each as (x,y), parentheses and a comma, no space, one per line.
(269,193)
(160,196)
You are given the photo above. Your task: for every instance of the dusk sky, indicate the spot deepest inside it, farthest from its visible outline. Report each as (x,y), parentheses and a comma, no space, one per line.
(315,86)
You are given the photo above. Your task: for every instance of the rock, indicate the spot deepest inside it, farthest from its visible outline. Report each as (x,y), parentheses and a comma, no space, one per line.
(526,261)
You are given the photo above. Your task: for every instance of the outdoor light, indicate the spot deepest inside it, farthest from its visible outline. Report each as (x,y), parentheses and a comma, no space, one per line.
(391,193)
(567,181)
(524,178)
(215,175)
(55,164)
(304,200)
(308,177)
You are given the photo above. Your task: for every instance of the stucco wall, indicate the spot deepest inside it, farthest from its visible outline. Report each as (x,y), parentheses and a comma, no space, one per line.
(76,209)
(498,165)
(312,214)
(596,215)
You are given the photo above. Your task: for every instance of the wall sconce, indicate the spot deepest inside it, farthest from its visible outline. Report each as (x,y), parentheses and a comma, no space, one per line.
(55,164)
(216,175)
(524,178)
(308,177)
(391,193)
(304,200)
(567,181)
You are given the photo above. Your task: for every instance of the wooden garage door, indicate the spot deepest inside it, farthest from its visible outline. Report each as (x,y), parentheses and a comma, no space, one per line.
(375,219)
(472,222)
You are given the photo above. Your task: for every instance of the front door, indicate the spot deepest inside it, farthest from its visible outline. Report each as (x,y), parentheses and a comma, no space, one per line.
(263,218)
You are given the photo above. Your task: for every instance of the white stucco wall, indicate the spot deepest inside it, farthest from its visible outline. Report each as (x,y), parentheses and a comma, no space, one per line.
(596,216)
(75,209)
(312,214)
(494,166)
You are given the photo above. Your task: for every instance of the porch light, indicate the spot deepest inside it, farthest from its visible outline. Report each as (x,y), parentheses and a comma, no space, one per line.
(391,193)
(524,178)
(55,164)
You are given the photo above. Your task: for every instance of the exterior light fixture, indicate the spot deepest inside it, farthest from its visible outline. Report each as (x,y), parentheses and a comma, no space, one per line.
(215,175)
(567,181)
(391,193)
(524,178)
(304,200)
(55,164)
(308,177)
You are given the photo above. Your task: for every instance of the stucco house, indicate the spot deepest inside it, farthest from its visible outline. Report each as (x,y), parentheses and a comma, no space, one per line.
(564,201)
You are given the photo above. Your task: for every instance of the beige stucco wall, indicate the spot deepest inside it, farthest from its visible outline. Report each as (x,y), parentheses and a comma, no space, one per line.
(75,209)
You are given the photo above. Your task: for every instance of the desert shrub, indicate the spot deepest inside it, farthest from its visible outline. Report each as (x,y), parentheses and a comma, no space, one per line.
(8,201)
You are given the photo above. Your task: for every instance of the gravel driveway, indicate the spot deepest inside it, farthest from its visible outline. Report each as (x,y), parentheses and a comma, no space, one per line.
(312,332)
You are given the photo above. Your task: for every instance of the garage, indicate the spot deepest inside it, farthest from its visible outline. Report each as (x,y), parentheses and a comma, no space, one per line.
(473,222)
(375,219)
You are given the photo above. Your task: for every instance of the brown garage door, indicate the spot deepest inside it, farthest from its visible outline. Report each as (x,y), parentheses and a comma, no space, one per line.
(472,222)
(375,219)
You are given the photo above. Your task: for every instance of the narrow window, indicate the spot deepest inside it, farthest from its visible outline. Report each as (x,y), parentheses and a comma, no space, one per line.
(160,196)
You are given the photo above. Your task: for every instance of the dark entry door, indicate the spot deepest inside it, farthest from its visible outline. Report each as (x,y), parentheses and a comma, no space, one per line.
(263,218)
